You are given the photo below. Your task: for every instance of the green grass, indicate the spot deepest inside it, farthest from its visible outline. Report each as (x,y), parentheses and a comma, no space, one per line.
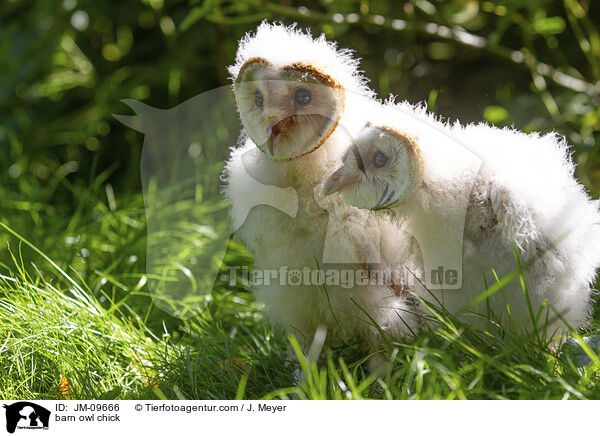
(77,321)
(105,344)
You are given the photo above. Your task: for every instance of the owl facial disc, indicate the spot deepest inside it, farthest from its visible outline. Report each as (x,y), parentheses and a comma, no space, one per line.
(382,168)
(287,112)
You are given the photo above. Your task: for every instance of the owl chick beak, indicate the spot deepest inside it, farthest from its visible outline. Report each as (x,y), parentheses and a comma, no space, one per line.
(340,180)
(276,130)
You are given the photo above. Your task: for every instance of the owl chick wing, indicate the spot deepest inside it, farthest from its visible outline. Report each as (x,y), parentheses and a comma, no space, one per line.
(526,189)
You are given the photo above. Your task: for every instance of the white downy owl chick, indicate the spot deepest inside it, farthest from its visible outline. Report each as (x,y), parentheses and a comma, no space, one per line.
(524,193)
(301,100)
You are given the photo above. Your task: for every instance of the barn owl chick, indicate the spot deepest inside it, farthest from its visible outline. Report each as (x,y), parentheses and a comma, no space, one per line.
(534,202)
(294,91)
(381,169)
(301,100)
(287,111)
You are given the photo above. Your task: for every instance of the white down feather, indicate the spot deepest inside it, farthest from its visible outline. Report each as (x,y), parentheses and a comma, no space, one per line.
(525,193)
(277,240)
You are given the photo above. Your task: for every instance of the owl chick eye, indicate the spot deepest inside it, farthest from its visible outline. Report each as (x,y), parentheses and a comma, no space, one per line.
(379,160)
(258,99)
(302,96)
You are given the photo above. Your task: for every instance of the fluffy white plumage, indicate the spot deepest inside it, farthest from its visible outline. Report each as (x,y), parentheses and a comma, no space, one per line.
(283,46)
(524,193)
(277,240)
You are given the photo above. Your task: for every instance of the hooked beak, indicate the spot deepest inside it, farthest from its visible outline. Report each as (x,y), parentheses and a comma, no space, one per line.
(275,131)
(340,180)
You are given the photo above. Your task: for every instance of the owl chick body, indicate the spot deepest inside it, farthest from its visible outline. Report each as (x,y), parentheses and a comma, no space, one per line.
(526,196)
(279,74)
(523,194)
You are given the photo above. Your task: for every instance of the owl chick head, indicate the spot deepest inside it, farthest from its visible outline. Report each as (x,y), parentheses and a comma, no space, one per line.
(381,169)
(291,89)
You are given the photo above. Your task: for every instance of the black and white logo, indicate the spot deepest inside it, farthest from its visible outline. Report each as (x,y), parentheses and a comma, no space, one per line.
(26,415)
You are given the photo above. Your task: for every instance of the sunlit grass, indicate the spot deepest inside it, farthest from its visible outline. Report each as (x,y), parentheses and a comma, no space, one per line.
(77,321)
(62,339)
(58,341)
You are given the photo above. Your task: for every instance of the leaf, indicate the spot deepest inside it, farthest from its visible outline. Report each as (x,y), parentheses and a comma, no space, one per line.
(196,14)
(549,26)
(64,387)
(495,114)
(462,13)
(111,395)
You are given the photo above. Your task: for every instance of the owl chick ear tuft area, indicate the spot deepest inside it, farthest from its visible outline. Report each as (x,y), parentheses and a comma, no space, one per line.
(252,63)
(288,46)
(315,73)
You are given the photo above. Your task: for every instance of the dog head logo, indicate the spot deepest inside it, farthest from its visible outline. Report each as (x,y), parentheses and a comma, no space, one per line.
(26,415)
(188,223)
